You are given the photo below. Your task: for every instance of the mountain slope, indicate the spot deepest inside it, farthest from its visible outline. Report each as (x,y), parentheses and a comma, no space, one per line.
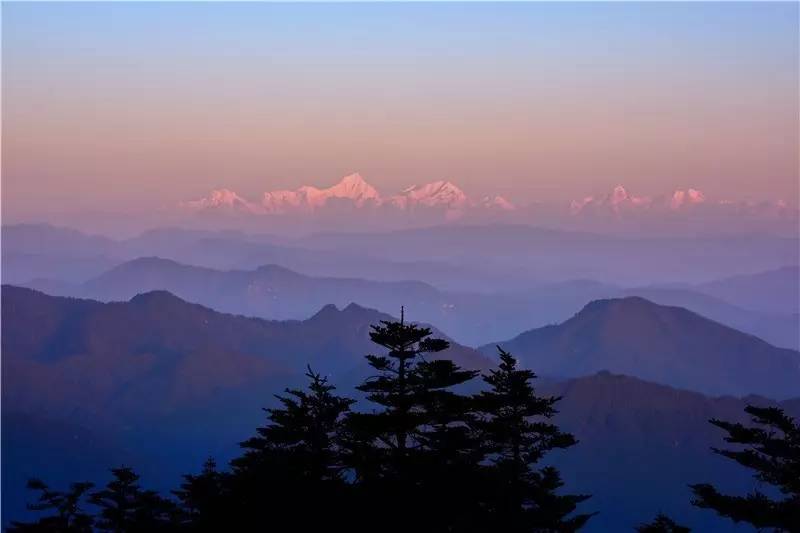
(641,444)
(779,329)
(664,344)
(158,353)
(776,291)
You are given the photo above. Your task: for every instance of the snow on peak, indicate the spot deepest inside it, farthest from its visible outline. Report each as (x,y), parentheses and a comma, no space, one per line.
(618,195)
(496,202)
(221,199)
(616,201)
(687,197)
(307,198)
(434,194)
(355,188)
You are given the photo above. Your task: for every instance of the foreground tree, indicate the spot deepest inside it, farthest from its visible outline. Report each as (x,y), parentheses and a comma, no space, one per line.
(203,499)
(126,508)
(293,464)
(65,512)
(517,434)
(771,448)
(417,452)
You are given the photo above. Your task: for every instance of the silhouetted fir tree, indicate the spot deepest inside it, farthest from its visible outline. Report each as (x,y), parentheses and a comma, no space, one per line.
(126,508)
(66,516)
(292,466)
(662,524)
(203,499)
(413,458)
(517,434)
(772,449)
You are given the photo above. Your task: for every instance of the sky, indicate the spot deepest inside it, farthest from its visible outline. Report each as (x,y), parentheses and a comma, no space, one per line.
(132,107)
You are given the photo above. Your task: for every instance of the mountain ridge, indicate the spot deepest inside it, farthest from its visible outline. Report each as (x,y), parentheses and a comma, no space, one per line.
(666,344)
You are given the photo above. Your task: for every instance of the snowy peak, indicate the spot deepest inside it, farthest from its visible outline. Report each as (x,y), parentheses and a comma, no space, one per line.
(436,194)
(354,191)
(681,198)
(307,198)
(618,195)
(616,201)
(496,202)
(620,203)
(222,200)
(354,187)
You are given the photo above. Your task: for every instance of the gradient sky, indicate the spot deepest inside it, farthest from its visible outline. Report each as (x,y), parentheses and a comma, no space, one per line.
(111,106)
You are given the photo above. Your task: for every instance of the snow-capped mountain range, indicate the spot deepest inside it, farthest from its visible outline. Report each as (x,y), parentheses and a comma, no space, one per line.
(351,191)
(444,197)
(620,200)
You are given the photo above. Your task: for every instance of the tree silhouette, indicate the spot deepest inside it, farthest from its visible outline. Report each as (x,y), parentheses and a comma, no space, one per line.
(203,499)
(67,515)
(293,464)
(418,444)
(662,524)
(126,508)
(772,449)
(517,434)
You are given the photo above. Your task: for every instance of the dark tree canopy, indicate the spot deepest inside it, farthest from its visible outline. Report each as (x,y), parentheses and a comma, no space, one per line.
(67,513)
(662,524)
(771,448)
(126,508)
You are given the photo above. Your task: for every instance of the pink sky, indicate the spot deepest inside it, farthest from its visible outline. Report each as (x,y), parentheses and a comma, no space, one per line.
(135,107)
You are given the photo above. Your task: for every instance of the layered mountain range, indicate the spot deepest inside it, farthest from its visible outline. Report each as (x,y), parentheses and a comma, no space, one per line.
(275,292)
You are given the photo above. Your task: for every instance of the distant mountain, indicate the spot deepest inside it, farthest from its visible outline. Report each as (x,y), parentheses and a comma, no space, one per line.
(619,209)
(275,292)
(468,258)
(776,291)
(620,202)
(351,191)
(641,444)
(541,254)
(780,329)
(41,238)
(158,353)
(668,345)
(42,251)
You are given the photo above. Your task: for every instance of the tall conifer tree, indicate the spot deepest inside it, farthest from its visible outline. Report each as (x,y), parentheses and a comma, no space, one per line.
(419,443)
(517,434)
(292,468)
(126,508)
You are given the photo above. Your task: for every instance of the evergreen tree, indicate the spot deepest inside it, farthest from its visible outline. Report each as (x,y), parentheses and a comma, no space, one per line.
(772,449)
(126,508)
(67,515)
(292,465)
(419,447)
(203,499)
(662,524)
(517,434)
